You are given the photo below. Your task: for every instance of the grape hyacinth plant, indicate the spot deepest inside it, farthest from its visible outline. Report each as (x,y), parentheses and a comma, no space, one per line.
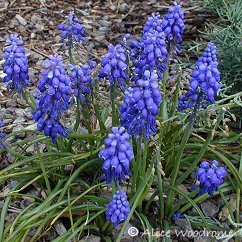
(117,155)
(15,64)
(210,176)
(103,160)
(55,90)
(118,208)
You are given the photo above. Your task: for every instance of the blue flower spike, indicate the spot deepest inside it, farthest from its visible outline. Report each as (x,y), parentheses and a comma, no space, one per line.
(204,83)
(210,176)
(117,155)
(114,67)
(72,30)
(118,208)
(16,64)
(141,106)
(55,89)
(173,26)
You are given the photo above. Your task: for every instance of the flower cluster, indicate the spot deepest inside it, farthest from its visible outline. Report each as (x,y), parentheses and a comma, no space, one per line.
(204,83)
(173,25)
(114,66)
(2,135)
(117,155)
(55,89)
(118,208)
(16,64)
(141,106)
(211,176)
(82,81)
(72,30)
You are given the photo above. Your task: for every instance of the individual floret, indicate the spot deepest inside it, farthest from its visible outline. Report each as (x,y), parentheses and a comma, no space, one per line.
(118,208)
(117,155)
(16,64)
(141,106)
(114,66)
(55,89)
(210,176)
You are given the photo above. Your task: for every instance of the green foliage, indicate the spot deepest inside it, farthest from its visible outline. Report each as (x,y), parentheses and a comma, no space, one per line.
(226,32)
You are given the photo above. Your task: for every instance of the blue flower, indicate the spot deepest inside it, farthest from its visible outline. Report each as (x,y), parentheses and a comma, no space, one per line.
(72,31)
(2,135)
(55,90)
(117,155)
(204,83)
(118,208)
(177,216)
(141,106)
(114,66)
(16,64)
(211,176)
(154,23)
(82,81)
(173,26)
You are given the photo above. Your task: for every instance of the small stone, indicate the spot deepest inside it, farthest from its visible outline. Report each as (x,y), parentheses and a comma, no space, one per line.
(31,127)
(9,116)
(193,212)
(21,19)
(19,127)
(30,149)
(28,113)
(112,7)
(99,38)
(200,239)
(7,121)
(19,120)
(32,35)
(184,224)
(39,27)
(11,103)
(126,236)
(59,227)
(209,208)
(19,112)
(91,238)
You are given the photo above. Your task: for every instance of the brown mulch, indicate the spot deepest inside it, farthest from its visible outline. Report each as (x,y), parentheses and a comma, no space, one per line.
(104,21)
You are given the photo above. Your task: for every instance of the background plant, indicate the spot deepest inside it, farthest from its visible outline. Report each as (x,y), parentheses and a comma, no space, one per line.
(226,32)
